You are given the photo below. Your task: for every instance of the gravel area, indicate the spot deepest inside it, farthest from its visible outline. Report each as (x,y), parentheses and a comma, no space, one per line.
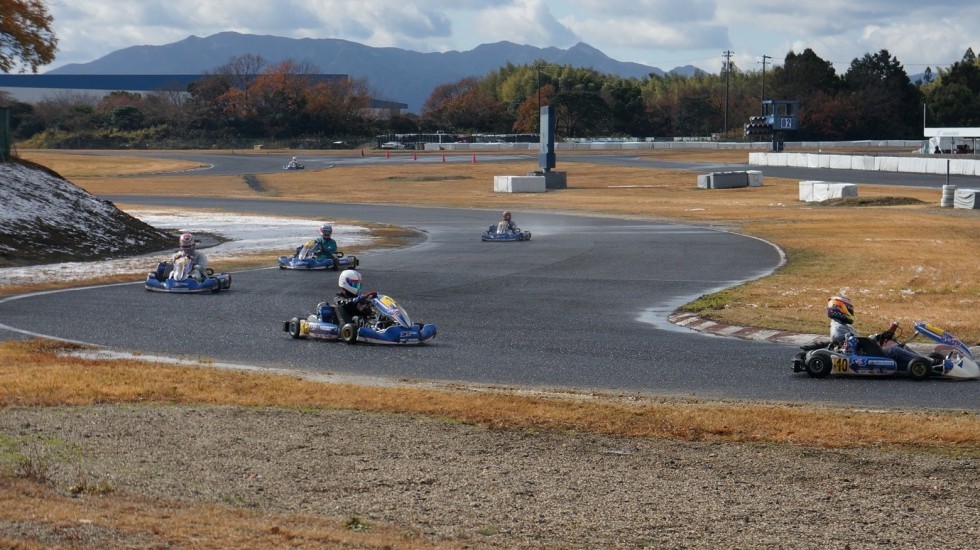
(510,489)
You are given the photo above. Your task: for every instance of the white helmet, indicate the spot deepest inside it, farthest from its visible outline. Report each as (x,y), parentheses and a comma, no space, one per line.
(326,230)
(350,281)
(187,242)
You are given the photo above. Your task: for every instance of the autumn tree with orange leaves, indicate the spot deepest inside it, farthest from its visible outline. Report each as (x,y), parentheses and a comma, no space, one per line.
(26,38)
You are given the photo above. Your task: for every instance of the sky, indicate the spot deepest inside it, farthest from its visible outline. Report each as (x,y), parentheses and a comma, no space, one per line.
(659,33)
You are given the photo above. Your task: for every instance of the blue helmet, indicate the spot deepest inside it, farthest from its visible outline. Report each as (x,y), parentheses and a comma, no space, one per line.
(326,230)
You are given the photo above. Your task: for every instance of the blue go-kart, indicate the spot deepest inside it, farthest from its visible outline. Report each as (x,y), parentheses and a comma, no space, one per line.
(388,323)
(499,232)
(950,358)
(177,277)
(305,258)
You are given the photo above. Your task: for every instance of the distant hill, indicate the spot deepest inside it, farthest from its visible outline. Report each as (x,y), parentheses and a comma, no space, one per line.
(394,74)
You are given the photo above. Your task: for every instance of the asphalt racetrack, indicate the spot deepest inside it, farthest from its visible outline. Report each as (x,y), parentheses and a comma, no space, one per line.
(581,306)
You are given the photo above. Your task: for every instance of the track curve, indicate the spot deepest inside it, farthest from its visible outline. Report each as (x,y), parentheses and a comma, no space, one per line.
(562,310)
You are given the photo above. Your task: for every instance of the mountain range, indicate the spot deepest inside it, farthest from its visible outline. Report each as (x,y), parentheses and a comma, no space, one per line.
(394,74)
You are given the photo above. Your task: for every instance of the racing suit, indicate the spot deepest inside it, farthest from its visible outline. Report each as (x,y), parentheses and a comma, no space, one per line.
(847,338)
(325,248)
(352,308)
(200,261)
(504,226)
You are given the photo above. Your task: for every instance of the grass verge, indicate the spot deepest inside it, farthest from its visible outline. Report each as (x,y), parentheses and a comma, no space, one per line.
(37,373)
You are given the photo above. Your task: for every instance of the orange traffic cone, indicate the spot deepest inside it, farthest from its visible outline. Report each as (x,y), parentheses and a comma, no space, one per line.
(387,154)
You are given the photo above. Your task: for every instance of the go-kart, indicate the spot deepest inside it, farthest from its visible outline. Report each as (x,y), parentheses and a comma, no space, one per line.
(293,166)
(306,258)
(176,276)
(499,232)
(388,323)
(950,358)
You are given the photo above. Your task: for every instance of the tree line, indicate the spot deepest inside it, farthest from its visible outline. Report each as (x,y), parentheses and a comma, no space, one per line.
(250,99)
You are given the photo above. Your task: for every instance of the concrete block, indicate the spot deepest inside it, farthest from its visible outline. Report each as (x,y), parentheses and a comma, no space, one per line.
(729,180)
(519,184)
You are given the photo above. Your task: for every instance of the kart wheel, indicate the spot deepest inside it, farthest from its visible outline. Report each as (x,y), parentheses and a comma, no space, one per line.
(920,368)
(348,333)
(527,235)
(294,327)
(818,366)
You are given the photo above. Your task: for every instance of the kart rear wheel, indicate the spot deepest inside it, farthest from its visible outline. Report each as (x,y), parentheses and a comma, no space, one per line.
(818,366)
(294,327)
(348,333)
(920,368)
(527,235)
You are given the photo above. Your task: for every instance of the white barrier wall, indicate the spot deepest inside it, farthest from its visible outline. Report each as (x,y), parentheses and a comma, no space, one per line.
(912,165)
(966,198)
(819,191)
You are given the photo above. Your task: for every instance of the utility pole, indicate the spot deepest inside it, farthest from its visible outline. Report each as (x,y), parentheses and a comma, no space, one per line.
(764,58)
(728,66)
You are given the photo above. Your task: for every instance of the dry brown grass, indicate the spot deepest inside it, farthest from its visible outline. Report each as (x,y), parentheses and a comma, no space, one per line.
(898,262)
(36,375)
(122,521)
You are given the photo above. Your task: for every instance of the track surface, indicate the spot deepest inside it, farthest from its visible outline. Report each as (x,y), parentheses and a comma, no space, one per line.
(581,306)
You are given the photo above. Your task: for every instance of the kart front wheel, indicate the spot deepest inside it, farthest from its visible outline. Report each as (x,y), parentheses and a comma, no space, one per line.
(818,366)
(920,368)
(348,333)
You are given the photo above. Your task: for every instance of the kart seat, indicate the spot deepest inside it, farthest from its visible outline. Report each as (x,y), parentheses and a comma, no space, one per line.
(867,346)
(342,316)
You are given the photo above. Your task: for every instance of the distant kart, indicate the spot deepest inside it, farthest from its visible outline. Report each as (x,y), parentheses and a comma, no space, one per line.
(951,358)
(388,323)
(176,277)
(293,166)
(498,232)
(305,259)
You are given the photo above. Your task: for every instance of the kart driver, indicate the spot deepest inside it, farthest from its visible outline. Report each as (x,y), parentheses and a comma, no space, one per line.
(324,246)
(843,334)
(292,163)
(188,248)
(351,305)
(506,224)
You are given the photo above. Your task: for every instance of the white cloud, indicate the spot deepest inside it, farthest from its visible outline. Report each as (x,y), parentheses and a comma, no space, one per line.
(664,33)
